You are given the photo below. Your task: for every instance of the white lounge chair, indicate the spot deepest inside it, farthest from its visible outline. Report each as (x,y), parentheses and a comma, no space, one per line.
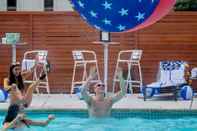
(171,75)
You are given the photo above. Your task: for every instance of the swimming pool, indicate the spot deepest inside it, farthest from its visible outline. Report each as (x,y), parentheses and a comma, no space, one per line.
(121,120)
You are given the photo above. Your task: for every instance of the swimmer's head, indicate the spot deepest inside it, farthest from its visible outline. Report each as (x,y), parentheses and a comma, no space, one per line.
(99,88)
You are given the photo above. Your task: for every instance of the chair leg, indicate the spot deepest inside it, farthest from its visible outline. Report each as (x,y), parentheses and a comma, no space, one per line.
(46,80)
(115,78)
(144,91)
(140,73)
(84,77)
(35,78)
(47,85)
(175,93)
(129,78)
(73,79)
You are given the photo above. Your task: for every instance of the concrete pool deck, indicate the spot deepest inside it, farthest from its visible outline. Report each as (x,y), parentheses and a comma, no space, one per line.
(134,101)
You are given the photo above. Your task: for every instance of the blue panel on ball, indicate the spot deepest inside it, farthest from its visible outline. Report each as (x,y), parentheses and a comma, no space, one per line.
(115,15)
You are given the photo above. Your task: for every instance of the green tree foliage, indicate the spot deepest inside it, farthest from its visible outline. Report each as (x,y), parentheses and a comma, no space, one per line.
(186,5)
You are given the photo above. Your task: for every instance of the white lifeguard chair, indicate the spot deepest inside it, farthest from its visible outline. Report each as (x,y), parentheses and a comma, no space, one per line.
(29,61)
(132,59)
(82,60)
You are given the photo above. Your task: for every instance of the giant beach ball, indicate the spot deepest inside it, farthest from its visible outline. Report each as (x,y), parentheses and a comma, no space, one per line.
(122,15)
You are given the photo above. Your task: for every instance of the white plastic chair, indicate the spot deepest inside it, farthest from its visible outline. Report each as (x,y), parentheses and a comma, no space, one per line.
(81,59)
(29,61)
(131,58)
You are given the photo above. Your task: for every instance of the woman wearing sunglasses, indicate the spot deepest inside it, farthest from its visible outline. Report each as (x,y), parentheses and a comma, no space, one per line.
(100,105)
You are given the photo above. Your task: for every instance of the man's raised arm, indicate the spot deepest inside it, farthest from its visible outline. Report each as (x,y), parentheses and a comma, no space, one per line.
(84,90)
(122,91)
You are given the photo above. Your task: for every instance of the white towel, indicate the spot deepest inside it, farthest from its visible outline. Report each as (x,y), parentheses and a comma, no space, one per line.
(177,76)
(155,84)
(164,76)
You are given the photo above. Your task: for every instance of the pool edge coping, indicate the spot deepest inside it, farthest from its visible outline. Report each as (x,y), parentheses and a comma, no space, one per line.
(116,109)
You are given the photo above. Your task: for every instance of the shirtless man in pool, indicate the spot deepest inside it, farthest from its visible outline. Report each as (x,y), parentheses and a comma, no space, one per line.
(100,105)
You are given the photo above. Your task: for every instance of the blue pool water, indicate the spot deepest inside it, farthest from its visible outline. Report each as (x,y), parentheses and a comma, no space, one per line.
(120,121)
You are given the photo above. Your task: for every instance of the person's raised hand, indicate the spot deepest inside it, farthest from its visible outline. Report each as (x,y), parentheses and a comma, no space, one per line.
(121,79)
(92,73)
(120,73)
(51,117)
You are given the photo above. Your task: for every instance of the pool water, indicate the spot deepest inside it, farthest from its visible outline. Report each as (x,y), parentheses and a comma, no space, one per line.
(120,121)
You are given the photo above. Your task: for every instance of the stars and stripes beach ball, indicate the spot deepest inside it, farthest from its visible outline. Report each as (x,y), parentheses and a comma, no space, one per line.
(122,15)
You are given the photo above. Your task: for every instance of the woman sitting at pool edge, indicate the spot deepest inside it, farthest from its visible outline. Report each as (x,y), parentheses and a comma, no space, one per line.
(15,85)
(16,119)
